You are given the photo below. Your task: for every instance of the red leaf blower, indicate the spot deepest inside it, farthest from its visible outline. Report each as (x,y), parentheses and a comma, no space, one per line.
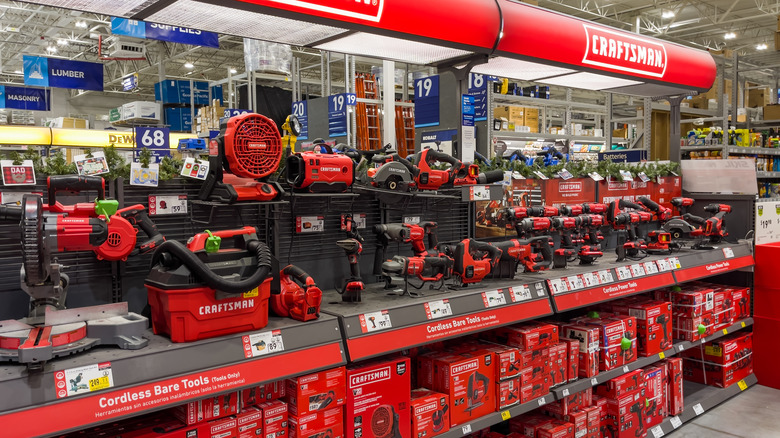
(320,172)
(300,298)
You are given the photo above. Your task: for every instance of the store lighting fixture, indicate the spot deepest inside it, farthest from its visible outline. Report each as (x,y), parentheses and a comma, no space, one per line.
(397,49)
(62,42)
(19,72)
(51,49)
(233,71)
(761,46)
(730,36)
(81,24)
(189,65)
(517,69)
(667,14)
(588,81)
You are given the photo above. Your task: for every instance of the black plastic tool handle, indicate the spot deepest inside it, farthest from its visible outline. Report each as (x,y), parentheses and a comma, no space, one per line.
(75,183)
(649,203)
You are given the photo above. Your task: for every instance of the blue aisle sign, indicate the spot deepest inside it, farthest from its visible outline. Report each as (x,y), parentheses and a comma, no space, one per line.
(130,82)
(163,32)
(232,112)
(426,102)
(33,99)
(478,87)
(300,110)
(467,110)
(337,113)
(61,73)
(624,156)
(156,140)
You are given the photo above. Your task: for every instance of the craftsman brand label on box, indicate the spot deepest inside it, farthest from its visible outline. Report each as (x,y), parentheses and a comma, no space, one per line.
(83,380)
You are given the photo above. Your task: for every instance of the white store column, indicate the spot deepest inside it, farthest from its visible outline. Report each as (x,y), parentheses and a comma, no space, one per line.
(388,103)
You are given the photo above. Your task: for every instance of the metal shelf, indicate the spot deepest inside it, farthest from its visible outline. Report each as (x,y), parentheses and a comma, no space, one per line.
(751,151)
(715,147)
(530,136)
(219,363)
(767,175)
(496,417)
(532,101)
(413,323)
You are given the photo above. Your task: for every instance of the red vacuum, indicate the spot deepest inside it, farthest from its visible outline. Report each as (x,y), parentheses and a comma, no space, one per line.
(300,298)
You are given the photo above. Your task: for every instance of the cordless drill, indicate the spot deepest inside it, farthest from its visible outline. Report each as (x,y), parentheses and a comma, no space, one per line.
(590,250)
(566,226)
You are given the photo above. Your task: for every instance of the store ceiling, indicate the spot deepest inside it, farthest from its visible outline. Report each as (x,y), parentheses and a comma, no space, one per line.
(27,28)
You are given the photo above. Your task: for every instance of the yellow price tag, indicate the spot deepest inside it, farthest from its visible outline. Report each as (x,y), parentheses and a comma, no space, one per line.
(251,294)
(743,324)
(661,355)
(506,415)
(99,383)
(742,385)
(725,332)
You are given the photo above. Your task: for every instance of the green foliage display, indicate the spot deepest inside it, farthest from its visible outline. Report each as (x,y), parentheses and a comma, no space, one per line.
(581,169)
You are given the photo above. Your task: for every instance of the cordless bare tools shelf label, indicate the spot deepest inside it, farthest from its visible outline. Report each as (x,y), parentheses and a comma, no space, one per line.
(374,321)
(83,380)
(260,344)
(493,298)
(438,309)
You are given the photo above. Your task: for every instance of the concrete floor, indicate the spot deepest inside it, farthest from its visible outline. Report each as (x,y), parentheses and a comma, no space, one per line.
(754,413)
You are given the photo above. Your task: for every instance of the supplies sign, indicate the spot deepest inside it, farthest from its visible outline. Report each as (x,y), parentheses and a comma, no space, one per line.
(83,380)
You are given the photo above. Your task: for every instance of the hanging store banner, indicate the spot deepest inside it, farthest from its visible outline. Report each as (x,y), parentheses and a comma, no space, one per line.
(426,102)
(62,73)
(130,82)
(163,32)
(32,99)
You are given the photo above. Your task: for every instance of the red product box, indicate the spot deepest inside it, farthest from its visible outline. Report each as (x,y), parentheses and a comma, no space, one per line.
(316,421)
(559,363)
(316,391)
(556,429)
(572,359)
(221,428)
(335,431)
(534,390)
(172,428)
(621,385)
(507,360)
(723,306)
(686,328)
(529,336)
(469,381)
(655,396)
(378,397)
(590,342)
(654,326)
(534,374)
(274,418)
(594,421)
(580,421)
(426,367)
(257,394)
(250,422)
(528,426)
(612,331)
(725,361)
(567,405)
(623,415)
(508,392)
(206,409)
(740,299)
(533,358)
(429,413)
(674,384)
(693,302)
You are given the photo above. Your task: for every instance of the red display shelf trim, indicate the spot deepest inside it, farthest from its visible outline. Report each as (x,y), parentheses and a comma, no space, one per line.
(714,268)
(606,292)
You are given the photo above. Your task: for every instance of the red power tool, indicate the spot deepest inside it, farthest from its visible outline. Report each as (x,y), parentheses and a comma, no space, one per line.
(405,233)
(658,241)
(353,246)
(458,174)
(578,209)
(300,298)
(428,269)
(534,254)
(590,250)
(249,149)
(567,252)
(713,228)
(320,172)
(629,245)
(473,260)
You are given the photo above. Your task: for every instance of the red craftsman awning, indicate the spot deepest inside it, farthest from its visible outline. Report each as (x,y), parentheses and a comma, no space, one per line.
(521,41)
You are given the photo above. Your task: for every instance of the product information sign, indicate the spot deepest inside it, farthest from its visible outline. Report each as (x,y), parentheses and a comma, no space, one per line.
(62,73)
(426,102)
(478,86)
(163,32)
(18,175)
(337,113)
(156,140)
(32,99)
(300,110)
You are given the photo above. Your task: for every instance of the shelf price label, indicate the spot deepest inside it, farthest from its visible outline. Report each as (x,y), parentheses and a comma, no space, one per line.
(674,262)
(375,321)
(83,380)
(309,224)
(697,409)
(466,429)
(657,432)
(522,293)
(260,344)
(663,265)
(590,279)
(728,253)
(565,392)
(575,282)
(170,204)
(742,385)
(557,285)
(505,415)
(638,270)
(437,309)
(493,298)
(605,276)
(623,273)
(650,268)
(676,422)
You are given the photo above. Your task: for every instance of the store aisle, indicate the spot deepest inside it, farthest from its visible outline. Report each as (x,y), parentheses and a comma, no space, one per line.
(752,414)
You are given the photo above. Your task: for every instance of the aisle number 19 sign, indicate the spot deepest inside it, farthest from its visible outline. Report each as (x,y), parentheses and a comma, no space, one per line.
(337,113)
(426,102)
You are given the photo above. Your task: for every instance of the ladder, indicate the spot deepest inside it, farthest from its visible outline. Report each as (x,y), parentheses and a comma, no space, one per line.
(404,130)
(367,115)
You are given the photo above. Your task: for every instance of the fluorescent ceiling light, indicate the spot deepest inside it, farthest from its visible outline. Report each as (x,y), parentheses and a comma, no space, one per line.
(51,49)
(667,14)
(18,72)
(233,71)
(81,24)
(124,8)
(62,42)
(589,81)
(761,46)
(684,23)
(396,49)
(521,70)
(188,65)
(730,36)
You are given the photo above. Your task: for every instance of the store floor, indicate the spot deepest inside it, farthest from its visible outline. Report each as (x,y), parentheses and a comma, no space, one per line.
(752,414)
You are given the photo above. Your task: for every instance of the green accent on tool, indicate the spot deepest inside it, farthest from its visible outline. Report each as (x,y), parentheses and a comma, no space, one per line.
(701,328)
(106,207)
(625,343)
(676,289)
(212,243)
(593,314)
(647,402)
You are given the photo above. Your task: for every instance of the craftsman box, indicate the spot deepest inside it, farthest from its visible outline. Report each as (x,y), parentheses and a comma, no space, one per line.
(528,426)
(530,335)
(378,397)
(694,301)
(250,422)
(534,389)
(507,360)
(655,395)
(686,328)
(508,392)
(257,394)
(580,421)
(654,326)
(559,363)
(556,429)
(209,408)
(594,421)
(320,421)
(674,385)
(221,428)
(623,413)
(725,361)
(573,358)
(316,391)
(469,381)
(568,404)
(535,373)
(590,342)
(274,418)
(740,298)
(621,385)
(429,413)
(612,331)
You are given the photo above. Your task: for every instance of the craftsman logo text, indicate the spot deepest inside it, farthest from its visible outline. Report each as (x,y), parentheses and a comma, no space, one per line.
(623,52)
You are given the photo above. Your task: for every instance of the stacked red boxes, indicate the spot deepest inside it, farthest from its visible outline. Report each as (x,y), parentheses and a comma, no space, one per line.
(556,429)
(654,326)
(508,362)
(257,394)
(723,308)
(529,336)
(209,408)
(221,428)
(621,385)
(674,385)
(430,415)
(250,422)
(655,394)
(328,422)
(725,361)
(378,399)
(594,421)
(508,392)
(275,418)
(692,309)
(316,391)
(590,341)
(580,421)
(573,359)
(612,331)
(468,380)
(623,416)
(558,363)
(528,425)
(569,404)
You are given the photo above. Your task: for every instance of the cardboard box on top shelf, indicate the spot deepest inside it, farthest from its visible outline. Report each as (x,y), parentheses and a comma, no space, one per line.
(620,133)
(757,97)
(771,112)
(514,114)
